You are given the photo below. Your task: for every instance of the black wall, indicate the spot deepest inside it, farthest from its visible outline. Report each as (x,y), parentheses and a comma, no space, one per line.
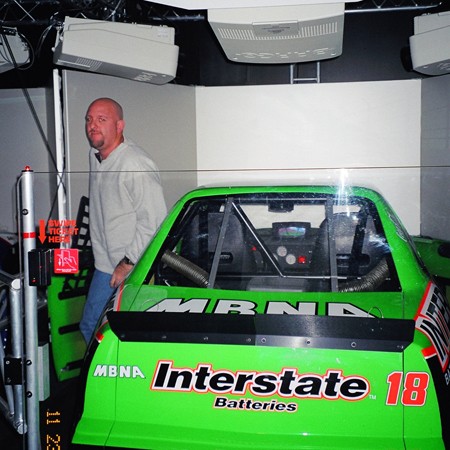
(372,50)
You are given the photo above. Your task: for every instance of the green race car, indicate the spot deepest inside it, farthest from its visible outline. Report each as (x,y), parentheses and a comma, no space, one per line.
(272,318)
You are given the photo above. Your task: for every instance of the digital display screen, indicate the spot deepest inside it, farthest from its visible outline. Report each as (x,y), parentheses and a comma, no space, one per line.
(290,230)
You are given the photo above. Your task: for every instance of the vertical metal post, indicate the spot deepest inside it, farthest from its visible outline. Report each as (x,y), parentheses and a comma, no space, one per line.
(14,408)
(59,140)
(331,245)
(15,307)
(6,406)
(30,299)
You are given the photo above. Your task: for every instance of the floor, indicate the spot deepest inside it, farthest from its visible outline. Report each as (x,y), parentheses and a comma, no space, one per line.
(56,418)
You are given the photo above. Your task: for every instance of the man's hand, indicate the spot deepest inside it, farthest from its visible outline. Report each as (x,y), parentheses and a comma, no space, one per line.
(120,273)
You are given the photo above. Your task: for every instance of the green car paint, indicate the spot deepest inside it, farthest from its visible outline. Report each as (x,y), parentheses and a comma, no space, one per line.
(65,311)
(435,254)
(193,353)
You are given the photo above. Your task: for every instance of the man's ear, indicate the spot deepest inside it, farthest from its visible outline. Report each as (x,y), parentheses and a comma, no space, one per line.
(120,126)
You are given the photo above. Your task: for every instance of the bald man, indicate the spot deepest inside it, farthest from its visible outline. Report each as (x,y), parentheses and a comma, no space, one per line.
(126,205)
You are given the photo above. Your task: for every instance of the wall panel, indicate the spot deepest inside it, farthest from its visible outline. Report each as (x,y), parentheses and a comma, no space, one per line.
(358,133)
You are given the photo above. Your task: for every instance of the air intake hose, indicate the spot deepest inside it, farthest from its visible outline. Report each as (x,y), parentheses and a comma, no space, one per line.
(368,282)
(186,268)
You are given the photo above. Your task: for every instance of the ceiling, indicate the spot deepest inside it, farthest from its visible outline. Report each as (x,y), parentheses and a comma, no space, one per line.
(49,12)
(38,20)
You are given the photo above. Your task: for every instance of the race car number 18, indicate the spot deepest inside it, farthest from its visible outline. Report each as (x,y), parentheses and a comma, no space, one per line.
(413,392)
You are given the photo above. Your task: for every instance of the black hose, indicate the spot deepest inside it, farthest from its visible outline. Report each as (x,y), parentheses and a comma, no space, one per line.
(186,268)
(369,282)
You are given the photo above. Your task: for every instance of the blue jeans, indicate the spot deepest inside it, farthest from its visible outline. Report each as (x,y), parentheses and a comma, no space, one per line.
(99,293)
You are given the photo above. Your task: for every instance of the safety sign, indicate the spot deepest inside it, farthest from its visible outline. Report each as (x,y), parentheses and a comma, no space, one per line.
(65,260)
(57,231)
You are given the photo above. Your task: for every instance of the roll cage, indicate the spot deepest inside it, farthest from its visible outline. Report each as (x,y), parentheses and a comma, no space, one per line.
(277,241)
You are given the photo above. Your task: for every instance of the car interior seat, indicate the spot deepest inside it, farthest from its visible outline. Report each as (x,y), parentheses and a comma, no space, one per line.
(236,257)
(357,247)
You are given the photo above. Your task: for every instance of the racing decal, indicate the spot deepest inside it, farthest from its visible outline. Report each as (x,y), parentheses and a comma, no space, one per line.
(200,305)
(411,391)
(250,405)
(246,307)
(306,308)
(288,383)
(346,309)
(433,319)
(113,371)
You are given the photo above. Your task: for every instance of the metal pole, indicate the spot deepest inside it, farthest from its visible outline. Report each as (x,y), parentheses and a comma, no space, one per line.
(59,134)
(15,307)
(8,407)
(30,299)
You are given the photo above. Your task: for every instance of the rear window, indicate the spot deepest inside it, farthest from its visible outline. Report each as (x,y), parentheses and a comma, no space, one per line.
(278,242)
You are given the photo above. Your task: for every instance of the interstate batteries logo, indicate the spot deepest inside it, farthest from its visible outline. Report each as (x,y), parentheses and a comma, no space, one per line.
(287,384)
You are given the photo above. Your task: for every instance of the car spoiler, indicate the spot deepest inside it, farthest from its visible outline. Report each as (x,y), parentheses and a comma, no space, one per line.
(296,331)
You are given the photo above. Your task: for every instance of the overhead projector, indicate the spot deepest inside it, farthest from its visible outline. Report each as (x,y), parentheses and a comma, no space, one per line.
(430,45)
(14,51)
(137,52)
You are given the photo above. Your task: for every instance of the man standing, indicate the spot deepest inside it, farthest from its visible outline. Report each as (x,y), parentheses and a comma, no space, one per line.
(126,205)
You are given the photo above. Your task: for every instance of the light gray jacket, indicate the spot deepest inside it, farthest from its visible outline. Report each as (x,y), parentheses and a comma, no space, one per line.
(126,204)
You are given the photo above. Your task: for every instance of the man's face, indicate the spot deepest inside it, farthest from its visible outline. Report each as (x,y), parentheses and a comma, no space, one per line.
(104,127)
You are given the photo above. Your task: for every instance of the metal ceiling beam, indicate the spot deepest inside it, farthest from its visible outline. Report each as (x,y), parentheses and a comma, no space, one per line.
(42,12)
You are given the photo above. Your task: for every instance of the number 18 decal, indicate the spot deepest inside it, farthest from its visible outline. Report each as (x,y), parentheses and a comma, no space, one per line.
(413,391)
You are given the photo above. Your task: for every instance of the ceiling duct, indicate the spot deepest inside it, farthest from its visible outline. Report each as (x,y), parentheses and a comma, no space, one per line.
(280,34)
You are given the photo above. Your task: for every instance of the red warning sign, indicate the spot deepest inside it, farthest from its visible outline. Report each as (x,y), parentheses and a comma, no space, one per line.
(57,231)
(65,260)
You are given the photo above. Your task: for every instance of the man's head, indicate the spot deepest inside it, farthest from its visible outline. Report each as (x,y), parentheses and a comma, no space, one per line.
(104,125)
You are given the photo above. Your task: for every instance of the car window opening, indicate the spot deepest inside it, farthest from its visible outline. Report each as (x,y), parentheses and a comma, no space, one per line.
(286,243)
